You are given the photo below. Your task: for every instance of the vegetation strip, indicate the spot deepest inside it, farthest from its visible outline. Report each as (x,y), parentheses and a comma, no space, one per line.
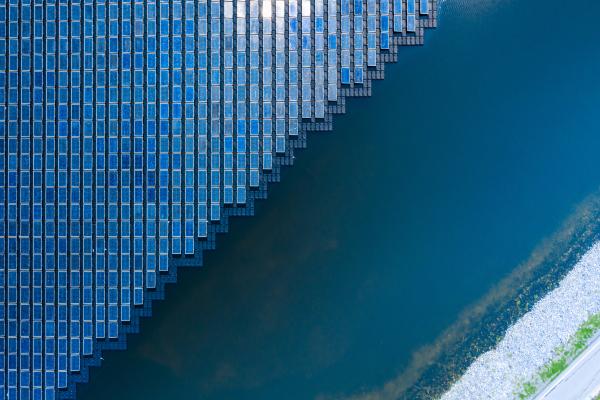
(564,356)
(532,342)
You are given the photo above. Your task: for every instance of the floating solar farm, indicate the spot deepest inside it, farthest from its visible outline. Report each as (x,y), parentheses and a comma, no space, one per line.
(130,131)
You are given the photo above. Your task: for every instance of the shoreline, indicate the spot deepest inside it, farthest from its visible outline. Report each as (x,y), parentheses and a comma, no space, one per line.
(434,368)
(531,342)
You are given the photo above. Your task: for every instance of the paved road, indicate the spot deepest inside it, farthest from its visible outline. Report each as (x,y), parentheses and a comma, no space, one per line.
(581,379)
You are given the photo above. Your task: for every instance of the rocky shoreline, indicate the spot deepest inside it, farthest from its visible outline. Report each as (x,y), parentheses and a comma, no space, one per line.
(531,342)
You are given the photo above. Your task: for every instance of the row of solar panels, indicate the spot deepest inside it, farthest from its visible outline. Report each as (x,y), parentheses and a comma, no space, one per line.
(124,129)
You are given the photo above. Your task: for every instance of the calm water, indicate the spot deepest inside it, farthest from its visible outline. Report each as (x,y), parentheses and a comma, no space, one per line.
(474,149)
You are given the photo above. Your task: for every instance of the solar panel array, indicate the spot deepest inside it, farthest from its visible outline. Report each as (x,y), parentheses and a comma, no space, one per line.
(129,130)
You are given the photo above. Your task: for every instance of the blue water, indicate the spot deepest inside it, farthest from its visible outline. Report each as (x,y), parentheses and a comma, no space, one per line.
(474,149)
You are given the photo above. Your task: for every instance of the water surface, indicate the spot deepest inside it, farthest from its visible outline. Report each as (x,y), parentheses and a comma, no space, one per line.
(474,148)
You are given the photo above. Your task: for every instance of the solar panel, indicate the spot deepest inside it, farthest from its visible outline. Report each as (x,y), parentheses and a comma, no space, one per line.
(130,130)
(332,51)
(359,45)
(371,33)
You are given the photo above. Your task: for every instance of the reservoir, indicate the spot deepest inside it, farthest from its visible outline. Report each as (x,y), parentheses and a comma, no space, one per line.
(474,149)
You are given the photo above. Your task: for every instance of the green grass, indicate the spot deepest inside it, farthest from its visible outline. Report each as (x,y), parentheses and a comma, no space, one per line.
(564,355)
(528,390)
(555,367)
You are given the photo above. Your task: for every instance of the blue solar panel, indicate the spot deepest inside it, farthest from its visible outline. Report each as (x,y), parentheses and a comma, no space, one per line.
(398,6)
(267,14)
(371,33)
(359,42)
(129,130)
(293,67)
(280,77)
